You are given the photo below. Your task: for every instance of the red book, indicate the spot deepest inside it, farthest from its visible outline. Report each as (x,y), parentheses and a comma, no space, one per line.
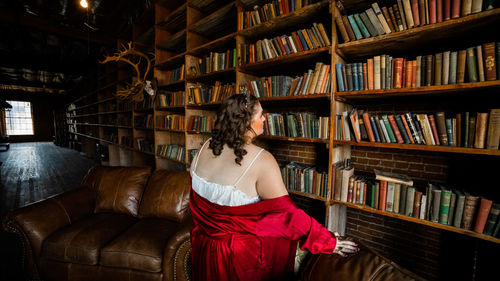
(447,9)
(395,129)
(383,195)
(369,130)
(439,10)
(455,8)
(482,215)
(403,75)
(414,72)
(435,134)
(365,186)
(410,136)
(414,11)
(280,43)
(408,74)
(432,11)
(398,73)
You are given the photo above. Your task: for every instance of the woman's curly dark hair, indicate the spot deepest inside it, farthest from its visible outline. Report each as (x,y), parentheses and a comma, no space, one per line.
(233,120)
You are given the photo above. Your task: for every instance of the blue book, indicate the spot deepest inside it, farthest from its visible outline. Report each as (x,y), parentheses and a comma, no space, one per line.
(287,49)
(374,128)
(302,40)
(449,131)
(360,76)
(355,76)
(340,80)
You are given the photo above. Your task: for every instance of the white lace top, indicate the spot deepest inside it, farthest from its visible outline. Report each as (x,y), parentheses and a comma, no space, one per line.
(226,195)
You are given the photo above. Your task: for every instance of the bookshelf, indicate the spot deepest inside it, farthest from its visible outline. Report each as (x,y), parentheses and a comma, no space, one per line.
(453,34)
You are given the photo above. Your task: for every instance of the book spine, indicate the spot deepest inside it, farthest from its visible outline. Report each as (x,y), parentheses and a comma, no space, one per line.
(459,210)
(493,139)
(472,65)
(434,129)
(470,206)
(444,208)
(489,61)
(492,218)
(479,140)
(453,68)
(395,129)
(482,215)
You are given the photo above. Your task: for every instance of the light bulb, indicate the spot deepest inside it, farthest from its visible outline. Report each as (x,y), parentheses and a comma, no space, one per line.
(84,3)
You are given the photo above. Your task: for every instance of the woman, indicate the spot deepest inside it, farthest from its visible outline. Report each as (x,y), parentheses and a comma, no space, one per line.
(245,226)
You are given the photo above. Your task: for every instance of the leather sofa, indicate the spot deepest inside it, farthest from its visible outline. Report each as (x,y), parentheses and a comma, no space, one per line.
(120,224)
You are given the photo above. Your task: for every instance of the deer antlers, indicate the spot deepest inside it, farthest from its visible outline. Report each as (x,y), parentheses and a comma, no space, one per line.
(135,91)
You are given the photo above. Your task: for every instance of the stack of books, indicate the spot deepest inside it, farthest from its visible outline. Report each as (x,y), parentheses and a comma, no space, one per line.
(310,180)
(172,151)
(315,81)
(200,93)
(299,41)
(201,124)
(296,125)
(474,130)
(403,15)
(474,64)
(215,62)
(171,122)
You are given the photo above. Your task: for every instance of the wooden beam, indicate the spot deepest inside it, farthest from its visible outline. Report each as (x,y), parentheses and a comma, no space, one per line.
(35,22)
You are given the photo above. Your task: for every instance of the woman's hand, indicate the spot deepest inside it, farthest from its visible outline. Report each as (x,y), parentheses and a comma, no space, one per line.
(345,247)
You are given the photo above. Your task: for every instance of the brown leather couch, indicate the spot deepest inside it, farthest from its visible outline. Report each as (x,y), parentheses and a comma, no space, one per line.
(120,224)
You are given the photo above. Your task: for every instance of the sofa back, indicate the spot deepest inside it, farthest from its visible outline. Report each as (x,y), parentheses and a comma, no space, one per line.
(118,189)
(166,195)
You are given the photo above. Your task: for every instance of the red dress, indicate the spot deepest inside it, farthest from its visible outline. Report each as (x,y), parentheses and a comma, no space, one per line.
(252,242)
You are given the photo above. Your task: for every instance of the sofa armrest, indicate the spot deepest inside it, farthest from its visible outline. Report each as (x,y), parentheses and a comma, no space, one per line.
(35,222)
(176,257)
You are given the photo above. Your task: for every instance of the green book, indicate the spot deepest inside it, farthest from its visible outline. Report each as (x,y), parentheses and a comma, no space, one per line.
(453,68)
(372,203)
(453,201)
(459,209)
(472,65)
(389,128)
(444,207)
(362,26)
(402,199)
(492,219)
(355,27)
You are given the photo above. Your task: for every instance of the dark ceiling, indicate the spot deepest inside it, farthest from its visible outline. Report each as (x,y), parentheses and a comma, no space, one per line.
(52,45)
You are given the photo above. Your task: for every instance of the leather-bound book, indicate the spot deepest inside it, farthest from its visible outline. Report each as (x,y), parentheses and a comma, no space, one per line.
(492,219)
(493,130)
(415,12)
(455,8)
(462,55)
(432,11)
(429,81)
(482,215)
(348,28)
(387,17)
(459,129)
(444,207)
(453,68)
(480,136)
(434,130)
(451,213)
(439,10)
(470,206)
(480,65)
(342,28)
(446,9)
(489,61)
(417,200)
(438,69)
(436,203)
(383,195)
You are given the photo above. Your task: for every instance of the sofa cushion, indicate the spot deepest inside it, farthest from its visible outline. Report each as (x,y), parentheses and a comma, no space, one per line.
(81,242)
(166,195)
(118,189)
(141,247)
(365,265)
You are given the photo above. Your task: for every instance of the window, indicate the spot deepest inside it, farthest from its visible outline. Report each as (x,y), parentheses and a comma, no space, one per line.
(18,119)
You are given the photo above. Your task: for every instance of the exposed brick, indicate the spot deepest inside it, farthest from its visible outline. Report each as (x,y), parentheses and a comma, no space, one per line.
(379,155)
(387,163)
(358,153)
(371,219)
(434,169)
(370,231)
(356,233)
(413,166)
(407,158)
(373,162)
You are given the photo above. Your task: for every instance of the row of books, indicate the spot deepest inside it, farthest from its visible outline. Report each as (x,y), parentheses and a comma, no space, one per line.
(215,62)
(480,63)
(146,103)
(171,122)
(299,41)
(296,125)
(312,82)
(473,130)
(203,124)
(144,144)
(171,76)
(144,121)
(170,99)
(172,151)
(403,15)
(127,141)
(310,180)
(436,203)
(200,93)
(270,11)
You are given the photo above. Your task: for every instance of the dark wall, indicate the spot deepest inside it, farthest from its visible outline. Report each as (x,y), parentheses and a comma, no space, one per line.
(42,110)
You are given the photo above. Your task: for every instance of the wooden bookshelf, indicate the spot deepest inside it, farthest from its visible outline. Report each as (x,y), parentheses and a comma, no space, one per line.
(176,20)
(435,148)
(308,195)
(175,43)
(170,130)
(420,91)
(172,159)
(215,75)
(295,98)
(421,36)
(306,14)
(171,62)
(171,84)
(222,21)
(207,6)
(368,209)
(293,139)
(215,45)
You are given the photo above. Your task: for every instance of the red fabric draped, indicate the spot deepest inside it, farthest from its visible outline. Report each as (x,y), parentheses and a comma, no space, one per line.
(252,242)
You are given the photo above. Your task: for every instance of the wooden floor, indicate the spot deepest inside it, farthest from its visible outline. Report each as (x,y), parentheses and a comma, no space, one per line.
(31,172)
